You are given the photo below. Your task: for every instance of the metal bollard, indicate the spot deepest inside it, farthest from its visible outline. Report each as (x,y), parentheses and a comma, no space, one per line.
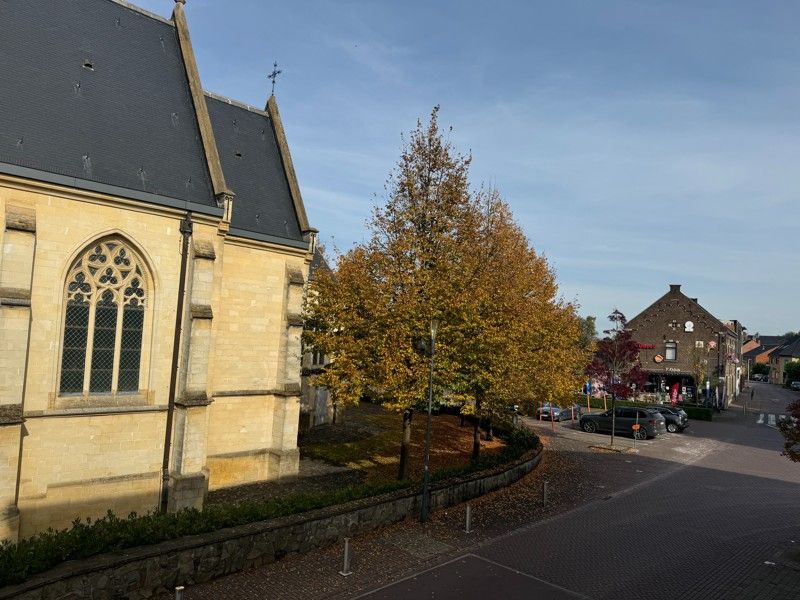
(179,593)
(468,522)
(346,567)
(544,493)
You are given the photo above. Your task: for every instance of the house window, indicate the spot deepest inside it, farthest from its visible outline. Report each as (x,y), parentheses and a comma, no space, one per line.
(671,352)
(105,297)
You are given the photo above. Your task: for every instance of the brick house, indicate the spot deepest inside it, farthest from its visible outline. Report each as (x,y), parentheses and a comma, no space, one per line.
(757,350)
(786,353)
(678,339)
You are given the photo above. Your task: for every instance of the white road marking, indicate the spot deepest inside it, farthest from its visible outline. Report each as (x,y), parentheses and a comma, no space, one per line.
(771,420)
(760,419)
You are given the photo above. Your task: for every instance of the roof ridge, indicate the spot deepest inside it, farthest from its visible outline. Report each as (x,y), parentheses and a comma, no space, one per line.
(236,103)
(142,11)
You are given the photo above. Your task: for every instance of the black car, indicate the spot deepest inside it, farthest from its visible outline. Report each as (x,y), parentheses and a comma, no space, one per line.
(650,422)
(676,418)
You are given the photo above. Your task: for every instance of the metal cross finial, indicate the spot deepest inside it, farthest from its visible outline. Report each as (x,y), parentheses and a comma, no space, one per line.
(274,75)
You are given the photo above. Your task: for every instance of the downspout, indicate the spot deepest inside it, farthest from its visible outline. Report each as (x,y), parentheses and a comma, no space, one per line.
(186,232)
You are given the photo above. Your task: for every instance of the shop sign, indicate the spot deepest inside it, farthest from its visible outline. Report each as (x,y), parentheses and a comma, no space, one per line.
(647,346)
(658,358)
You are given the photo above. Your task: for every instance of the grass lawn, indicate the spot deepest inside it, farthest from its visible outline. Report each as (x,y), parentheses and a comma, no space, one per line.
(369,437)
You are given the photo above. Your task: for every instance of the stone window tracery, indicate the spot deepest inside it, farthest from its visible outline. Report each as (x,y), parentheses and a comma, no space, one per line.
(106,295)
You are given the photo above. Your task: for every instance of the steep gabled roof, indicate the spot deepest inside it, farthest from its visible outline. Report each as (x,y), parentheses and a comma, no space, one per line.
(789,349)
(758,351)
(675,293)
(253,168)
(771,340)
(100,95)
(94,92)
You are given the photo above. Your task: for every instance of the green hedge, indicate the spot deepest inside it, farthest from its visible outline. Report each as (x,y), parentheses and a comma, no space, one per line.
(111,533)
(701,413)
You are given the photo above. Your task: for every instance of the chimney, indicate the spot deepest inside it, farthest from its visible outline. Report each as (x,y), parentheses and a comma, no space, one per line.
(675,287)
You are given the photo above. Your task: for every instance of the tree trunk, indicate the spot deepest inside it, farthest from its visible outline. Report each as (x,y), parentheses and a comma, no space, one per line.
(476,432)
(489,430)
(405,445)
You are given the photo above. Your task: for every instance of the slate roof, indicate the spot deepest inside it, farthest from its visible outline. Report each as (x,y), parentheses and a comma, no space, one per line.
(94,95)
(318,262)
(96,92)
(757,351)
(771,340)
(790,349)
(253,169)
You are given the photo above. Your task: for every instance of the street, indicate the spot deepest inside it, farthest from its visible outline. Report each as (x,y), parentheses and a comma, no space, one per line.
(713,513)
(710,513)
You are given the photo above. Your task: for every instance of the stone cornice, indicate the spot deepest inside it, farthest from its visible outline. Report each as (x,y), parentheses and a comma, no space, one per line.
(78,194)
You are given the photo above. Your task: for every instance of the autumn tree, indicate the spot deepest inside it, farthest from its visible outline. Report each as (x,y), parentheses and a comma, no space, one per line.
(436,250)
(370,316)
(511,339)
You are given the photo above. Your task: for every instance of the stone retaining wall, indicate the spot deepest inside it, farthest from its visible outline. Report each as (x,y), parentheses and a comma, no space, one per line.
(142,572)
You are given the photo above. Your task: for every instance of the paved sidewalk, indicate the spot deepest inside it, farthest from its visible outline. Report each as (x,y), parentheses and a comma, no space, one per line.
(384,556)
(713,485)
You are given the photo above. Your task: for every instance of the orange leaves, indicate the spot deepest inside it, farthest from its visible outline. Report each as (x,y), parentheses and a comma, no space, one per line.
(437,250)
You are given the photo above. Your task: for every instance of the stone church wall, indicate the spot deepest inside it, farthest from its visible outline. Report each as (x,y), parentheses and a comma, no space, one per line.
(63,456)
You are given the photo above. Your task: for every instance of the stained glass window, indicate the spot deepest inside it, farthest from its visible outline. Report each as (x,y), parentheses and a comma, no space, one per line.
(104,321)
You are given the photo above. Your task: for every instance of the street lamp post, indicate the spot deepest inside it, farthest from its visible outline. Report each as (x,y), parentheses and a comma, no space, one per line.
(423,515)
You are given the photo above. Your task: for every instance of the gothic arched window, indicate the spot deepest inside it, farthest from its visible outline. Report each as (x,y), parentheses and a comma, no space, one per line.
(105,297)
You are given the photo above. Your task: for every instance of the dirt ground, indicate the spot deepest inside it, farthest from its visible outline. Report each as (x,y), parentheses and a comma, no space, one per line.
(365,447)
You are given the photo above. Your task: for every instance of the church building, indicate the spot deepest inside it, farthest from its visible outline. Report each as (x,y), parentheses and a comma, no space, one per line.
(155,249)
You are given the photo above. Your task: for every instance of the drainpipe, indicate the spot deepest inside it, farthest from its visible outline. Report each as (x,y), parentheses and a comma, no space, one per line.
(186,232)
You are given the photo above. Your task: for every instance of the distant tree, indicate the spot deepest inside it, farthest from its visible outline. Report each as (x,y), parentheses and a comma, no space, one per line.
(760,369)
(791,336)
(792,371)
(588,332)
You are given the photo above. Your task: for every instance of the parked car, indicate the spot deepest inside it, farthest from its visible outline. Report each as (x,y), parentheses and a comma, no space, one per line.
(651,423)
(795,385)
(676,418)
(560,413)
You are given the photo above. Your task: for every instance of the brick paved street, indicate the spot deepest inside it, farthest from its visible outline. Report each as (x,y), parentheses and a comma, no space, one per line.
(711,513)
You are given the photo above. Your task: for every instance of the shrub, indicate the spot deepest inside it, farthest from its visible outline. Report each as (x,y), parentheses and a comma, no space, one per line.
(701,413)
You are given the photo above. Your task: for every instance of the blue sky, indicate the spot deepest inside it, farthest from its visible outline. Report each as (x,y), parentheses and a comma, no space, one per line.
(638,143)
